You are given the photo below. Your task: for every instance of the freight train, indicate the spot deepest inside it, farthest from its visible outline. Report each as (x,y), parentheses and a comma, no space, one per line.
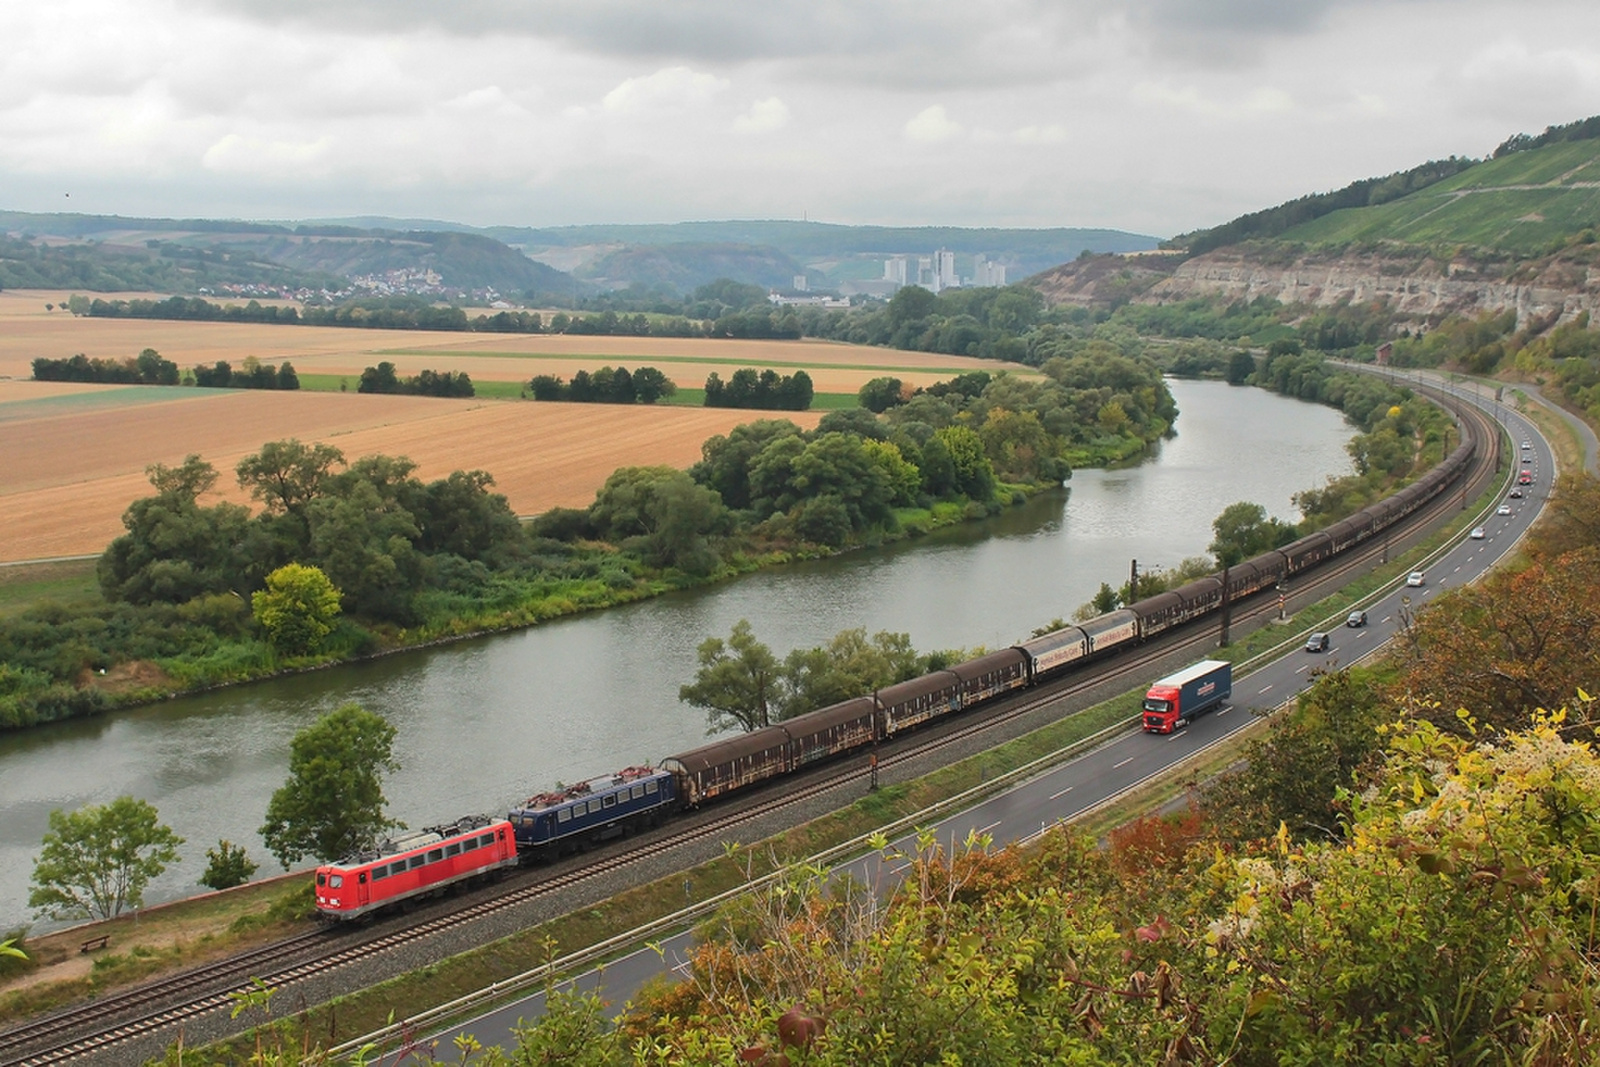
(574,818)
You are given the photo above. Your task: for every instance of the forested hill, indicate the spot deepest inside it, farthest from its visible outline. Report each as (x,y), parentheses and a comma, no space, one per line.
(1532,193)
(107,253)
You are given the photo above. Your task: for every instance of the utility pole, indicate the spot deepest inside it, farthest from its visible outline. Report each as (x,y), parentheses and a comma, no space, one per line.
(1133,582)
(1227,608)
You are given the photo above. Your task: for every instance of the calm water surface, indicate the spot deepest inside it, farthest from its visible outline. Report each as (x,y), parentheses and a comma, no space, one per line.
(484,723)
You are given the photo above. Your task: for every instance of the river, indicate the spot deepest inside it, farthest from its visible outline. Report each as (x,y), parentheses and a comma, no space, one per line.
(482,723)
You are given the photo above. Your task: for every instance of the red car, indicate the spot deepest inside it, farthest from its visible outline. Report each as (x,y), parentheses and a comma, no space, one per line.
(416,864)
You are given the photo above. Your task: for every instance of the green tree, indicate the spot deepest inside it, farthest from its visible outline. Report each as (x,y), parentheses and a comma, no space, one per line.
(1240,366)
(174,549)
(849,665)
(227,866)
(97,860)
(911,303)
(1243,531)
(297,609)
(736,681)
(881,394)
(971,471)
(332,804)
(286,476)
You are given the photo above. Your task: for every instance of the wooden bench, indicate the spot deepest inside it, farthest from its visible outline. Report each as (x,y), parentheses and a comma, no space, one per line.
(95,943)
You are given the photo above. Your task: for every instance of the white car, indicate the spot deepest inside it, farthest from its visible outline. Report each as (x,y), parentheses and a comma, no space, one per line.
(1477,533)
(1503,509)
(1526,445)
(1416,578)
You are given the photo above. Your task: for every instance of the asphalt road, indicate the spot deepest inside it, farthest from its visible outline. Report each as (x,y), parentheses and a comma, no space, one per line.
(1123,764)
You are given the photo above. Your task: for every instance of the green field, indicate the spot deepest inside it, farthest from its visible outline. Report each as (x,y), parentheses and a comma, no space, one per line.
(1525,202)
(329,383)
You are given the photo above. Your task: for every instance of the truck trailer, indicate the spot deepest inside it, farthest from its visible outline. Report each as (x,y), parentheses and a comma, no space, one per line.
(1182,697)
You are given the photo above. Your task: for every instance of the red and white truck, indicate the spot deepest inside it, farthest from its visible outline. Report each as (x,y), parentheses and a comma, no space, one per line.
(1182,697)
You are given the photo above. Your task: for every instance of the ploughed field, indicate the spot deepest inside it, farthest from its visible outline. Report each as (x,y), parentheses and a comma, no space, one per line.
(75,455)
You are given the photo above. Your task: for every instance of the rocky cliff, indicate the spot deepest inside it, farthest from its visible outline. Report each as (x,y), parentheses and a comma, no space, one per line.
(1413,282)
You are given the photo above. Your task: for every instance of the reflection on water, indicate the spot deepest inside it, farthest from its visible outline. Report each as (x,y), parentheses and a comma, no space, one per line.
(485,722)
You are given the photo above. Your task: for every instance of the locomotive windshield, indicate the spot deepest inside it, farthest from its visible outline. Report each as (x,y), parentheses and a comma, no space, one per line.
(1161,706)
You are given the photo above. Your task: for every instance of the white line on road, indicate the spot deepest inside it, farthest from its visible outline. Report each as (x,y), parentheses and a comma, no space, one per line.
(1265,688)
(1124,763)
(1062,793)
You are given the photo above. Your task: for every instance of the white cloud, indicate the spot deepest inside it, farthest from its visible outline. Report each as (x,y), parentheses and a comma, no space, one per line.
(238,154)
(931,125)
(671,87)
(763,116)
(1051,133)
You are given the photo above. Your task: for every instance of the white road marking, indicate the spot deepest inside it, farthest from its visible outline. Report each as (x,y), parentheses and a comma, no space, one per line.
(1062,793)
(1124,763)
(1384,619)
(1264,688)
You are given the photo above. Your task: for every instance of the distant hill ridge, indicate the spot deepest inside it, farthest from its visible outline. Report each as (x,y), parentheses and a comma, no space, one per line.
(562,261)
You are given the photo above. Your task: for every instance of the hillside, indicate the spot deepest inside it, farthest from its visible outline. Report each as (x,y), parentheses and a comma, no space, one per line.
(108,253)
(1520,203)
(687,265)
(1510,233)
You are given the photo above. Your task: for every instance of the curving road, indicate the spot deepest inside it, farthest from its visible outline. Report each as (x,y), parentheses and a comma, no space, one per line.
(1124,763)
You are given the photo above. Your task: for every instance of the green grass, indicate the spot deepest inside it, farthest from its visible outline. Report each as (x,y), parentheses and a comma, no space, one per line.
(636,360)
(65,583)
(1480,207)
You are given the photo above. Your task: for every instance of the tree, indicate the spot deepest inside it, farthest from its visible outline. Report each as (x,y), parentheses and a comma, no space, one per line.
(332,804)
(735,683)
(285,476)
(97,860)
(881,394)
(1243,532)
(910,304)
(297,609)
(1240,366)
(227,866)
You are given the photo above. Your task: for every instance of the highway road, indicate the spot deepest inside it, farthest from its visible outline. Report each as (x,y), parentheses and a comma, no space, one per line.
(1128,760)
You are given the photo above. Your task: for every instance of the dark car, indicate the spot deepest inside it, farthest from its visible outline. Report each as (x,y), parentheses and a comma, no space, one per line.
(1515,494)
(1317,642)
(1356,620)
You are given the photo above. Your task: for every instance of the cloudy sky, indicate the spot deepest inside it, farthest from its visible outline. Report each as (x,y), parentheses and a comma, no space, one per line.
(1154,116)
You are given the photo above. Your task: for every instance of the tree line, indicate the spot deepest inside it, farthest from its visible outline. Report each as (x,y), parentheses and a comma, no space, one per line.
(150,368)
(605,386)
(383,379)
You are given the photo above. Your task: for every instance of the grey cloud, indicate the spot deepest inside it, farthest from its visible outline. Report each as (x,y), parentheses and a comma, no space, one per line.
(905,43)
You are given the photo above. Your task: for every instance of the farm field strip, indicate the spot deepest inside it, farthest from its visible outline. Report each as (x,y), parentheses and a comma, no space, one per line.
(808,365)
(72,477)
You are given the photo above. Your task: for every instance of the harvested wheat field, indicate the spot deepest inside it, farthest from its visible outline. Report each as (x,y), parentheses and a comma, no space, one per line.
(75,460)
(28,331)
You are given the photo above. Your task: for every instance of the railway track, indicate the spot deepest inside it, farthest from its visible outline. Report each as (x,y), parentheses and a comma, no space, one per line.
(170,1002)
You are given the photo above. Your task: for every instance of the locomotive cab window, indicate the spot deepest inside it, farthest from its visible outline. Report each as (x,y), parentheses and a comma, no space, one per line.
(609,800)
(486,840)
(322,879)
(336,881)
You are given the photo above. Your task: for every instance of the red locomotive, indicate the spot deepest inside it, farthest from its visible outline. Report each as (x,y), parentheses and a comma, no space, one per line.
(416,864)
